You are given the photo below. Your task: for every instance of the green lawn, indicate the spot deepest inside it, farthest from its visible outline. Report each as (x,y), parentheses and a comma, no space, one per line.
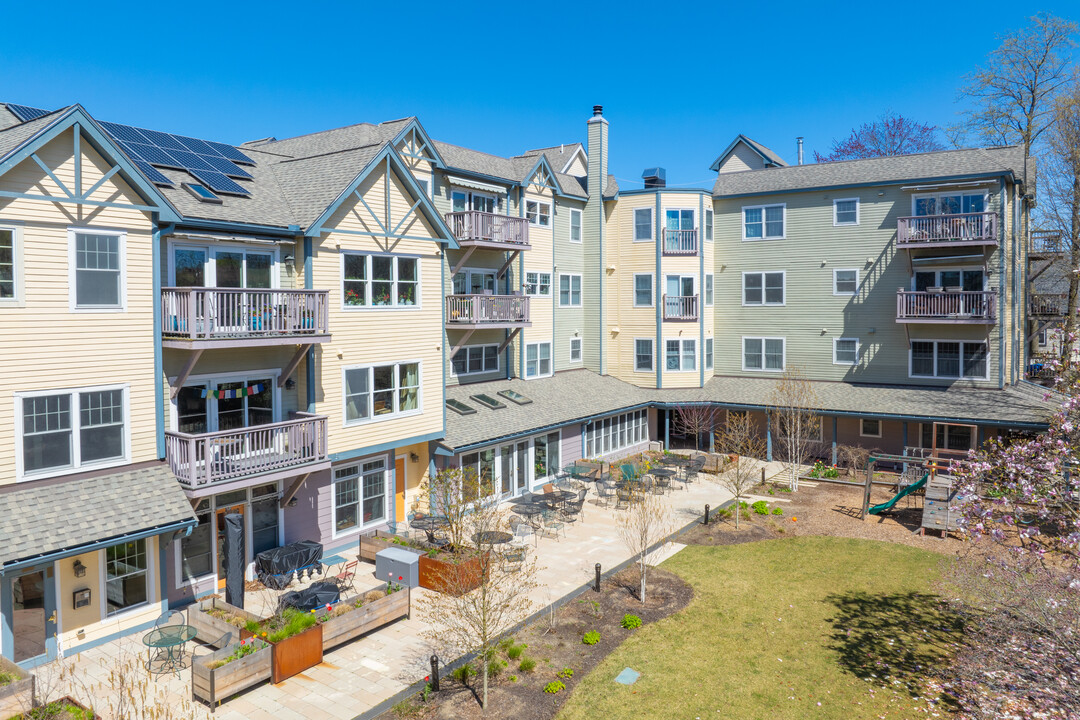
(810,627)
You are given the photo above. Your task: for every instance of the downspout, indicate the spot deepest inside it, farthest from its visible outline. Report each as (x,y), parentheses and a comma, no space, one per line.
(551,288)
(1001,288)
(309,369)
(159,379)
(658,298)
(1015,338)
(701,291)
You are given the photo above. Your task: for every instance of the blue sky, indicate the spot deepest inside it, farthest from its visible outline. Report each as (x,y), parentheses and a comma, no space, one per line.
(677,81)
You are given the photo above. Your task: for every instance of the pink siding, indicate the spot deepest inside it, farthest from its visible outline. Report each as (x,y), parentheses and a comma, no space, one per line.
(570,449)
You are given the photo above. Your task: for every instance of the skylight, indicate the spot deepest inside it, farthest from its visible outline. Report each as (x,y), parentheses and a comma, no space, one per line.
(515,397)
(201,192)
(460,408)
(488,401)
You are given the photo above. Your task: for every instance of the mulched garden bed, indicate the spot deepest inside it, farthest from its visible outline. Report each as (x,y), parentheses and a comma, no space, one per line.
(554,642)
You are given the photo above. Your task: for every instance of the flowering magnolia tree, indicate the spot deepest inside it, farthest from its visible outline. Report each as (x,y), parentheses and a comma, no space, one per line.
(889,135)
(1019,582)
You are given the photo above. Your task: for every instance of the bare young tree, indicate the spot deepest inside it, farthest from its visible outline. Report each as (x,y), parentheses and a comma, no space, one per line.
(452,493)
(644,523)
(696,420)
(466,618)
(891,134)
(796,424)
(1061,190)
(741,439)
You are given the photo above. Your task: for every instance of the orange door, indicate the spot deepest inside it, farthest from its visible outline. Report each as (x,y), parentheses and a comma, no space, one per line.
(399,489)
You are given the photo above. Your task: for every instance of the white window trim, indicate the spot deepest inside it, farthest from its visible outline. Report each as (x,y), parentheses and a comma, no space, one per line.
(215,379)
(652,355)
(763,303)
(935,376)
(77,466)
(581,351)
(538,273)
(369,307)
(633,224)
(550,213)
(652,290)
(858,347)
(212,248)
(525,361)
(571,303)
(391,481)
(465,349)
(710,292)
(742,221)
(938,269)
(372,417)
(845,294)
(17,266)
(862,428)
(581,227)
(708,359)
(762,338)
(682,350)
(152,569)
(858,212)
(709,228)
(122,247)
(945,193)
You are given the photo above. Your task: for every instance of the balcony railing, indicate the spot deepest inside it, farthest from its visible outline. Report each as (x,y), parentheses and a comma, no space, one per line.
(209,458)
(1045,242)
(1048,305)
(963,306)
(680,307)
(474,226)
(680,242)
(198,313)
(487,310)
(962,229)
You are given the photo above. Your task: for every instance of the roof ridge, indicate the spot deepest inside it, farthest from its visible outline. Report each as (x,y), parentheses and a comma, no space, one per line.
(332,152)
(342,127)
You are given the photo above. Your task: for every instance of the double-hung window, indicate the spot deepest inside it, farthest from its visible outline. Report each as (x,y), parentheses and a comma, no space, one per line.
(475,359)
(569,290)
(869,427)
(380,280)
(643,224)
(97,270)
(359,495)
(538,283)
(845,282)
(72,429)
(708,353)
(949,359)
(846,211)
(126,583)
(763,288)
(643,355)
(537,359)
(764,354)
(9,265)
(643,290)
(575,226)
(538,213)
(575,350)
(762,222)
(708,225)
(380,391)
(845,351)
(680,355)
(709,289)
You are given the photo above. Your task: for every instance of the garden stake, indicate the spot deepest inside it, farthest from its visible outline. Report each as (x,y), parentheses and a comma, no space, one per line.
(596,585)
(706,513)
(435,673)
(762,475)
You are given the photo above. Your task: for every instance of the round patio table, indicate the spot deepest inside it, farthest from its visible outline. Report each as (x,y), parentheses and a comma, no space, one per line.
(557,497)
(492,537)
(429,524)
(581,472)
(169,641)
(664,472)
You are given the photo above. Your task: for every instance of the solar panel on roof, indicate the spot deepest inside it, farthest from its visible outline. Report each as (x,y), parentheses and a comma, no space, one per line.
(163,140)
(225,166)
(27,113)
(153,155)
(195,145)
(228,151)
(152,174)
(191,161)
(219,182)
(125,133)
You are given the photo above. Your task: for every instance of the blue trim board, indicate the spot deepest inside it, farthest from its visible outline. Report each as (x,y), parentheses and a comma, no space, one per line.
(658,298)
(647,191)
(383,447)
(414,124)
(159,377)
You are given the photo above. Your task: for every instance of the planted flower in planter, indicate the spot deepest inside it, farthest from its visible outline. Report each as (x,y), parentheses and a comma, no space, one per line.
(245,648)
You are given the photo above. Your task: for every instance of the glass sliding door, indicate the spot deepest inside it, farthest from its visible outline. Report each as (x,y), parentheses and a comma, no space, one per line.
(30,622)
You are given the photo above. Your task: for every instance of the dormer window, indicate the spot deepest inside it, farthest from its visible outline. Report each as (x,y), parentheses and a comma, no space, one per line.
(201,193)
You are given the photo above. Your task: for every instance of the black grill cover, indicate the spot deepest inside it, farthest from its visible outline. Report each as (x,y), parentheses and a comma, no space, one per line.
(275,567)
(318,595)
(234,559)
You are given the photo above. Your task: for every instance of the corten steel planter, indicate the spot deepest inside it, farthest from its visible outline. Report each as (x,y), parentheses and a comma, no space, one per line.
(210,629)
(448,576)
(17,696)
(366,618)
(213,685)
(296,654)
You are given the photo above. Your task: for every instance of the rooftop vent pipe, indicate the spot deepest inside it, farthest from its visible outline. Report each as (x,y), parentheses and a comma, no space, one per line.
(799,139)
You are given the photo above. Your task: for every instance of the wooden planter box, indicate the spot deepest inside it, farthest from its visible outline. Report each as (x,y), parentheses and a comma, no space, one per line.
(371,545)
(296,654)
(16,697)
(368,617)
(213,685)
(210,629)
(439,575)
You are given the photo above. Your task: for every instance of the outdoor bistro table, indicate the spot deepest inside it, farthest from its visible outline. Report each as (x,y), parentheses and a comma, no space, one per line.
(557,497)
(581,472)
(492,537)
(169,641)
(663,472)
(429,524)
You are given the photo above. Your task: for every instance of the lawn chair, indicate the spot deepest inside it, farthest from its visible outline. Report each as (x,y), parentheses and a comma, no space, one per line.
(622,498)
(660,485)
(604,493)
(522,532)
(548,488)
(629,472)
(344,579)
(213,645)
(170,617)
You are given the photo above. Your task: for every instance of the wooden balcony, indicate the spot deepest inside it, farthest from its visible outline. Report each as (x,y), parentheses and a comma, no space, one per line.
(1048,305)
(960,230)
(964,307)
(202,318)
(488,230)
(487,311)
(680,307)
(1045,242)
(679,242)
(278,449)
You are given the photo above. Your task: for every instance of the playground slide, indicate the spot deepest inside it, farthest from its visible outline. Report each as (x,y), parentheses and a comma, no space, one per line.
(875,509)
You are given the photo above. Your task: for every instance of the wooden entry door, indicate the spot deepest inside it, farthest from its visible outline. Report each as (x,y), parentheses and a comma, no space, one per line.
(220,524)
(399,488)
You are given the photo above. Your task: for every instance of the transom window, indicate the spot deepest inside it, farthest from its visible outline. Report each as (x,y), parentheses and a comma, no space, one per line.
(476,359)
(575,350)
(538,213)
(643,224)
(537,283)
(68,430)
(125,576)
(763,288)
(98,272)
(845,282)
(359,495)
(537,359)
(949,359)
(845,351)
(765,354)
(569,290)
(7,264)
(846,211)
(575,226)
(643,290)
(643,355)
(680,355)
(763,221)
(380,280)
(379,391)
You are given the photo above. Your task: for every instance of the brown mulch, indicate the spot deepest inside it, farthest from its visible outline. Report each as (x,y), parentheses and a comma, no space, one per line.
(827,509)
(555,642)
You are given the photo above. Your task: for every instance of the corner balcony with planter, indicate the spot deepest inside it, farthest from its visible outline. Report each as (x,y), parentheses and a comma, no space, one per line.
(681,307)
(947,306)
(959,230)
(201,318)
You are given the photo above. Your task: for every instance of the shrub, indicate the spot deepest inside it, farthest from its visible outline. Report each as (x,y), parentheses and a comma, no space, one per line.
(296,622)
(527,665)
(515,651)
(554,686)
(506,643)
(6,678)
(495,667)
(760,507)
(463,673)
(590,638)
(777,511)
(743,505)
(630,622)
(566,673)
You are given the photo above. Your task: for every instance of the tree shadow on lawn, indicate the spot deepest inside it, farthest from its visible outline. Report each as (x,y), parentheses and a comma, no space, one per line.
(908,637)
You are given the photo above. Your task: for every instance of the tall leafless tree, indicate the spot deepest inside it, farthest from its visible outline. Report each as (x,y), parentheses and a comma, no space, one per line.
(797,426)
(696,420)
(1061,191)
(741,440)
(644,523)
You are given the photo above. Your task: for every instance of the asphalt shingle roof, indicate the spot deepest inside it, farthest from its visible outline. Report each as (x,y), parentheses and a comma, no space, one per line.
(41,519)
(14,136)
(882,170)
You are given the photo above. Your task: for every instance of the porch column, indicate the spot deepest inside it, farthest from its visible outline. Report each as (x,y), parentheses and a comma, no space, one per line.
(834,440)
(768,436)
(667,430)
